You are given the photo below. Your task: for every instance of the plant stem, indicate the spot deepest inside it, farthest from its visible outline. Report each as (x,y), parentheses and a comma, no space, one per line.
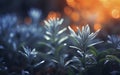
(84,60)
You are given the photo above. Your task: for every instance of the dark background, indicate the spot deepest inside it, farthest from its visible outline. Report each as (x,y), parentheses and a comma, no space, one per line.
(21,7)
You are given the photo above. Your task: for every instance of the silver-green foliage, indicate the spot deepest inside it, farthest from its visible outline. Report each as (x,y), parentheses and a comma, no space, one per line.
(31,56)
(114,40)
(82,39)
(53,31)
(54,35)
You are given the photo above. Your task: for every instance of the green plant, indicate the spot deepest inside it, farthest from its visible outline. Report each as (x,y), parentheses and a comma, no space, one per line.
(82,39)
(55,41)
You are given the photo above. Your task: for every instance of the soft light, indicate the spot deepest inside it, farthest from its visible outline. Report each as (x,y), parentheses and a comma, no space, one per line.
(69,0)
(75,16)
(28,20)
(97,26)
(67,10)
(74,27)
(53,14)
(71,3)
(115,13)
(99,11)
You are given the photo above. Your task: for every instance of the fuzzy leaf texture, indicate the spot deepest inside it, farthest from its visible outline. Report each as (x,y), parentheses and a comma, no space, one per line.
(84,38)
(54,33)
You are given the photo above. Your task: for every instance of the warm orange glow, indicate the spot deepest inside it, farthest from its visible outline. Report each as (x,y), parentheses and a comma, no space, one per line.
(115,13)
(53,14)
(106,3)
(71,3)
(93,11)
(69,0)
(97,26)
(110,3)
(74,27)
(87,10)
(67,10)
(101,17)
(75,16)
(113,7)
(28,20)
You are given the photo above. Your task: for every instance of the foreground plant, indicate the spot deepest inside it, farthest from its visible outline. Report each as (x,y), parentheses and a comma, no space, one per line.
(55,40)
(82,39)
(55,35)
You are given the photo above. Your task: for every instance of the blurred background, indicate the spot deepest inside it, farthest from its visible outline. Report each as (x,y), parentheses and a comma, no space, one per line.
(23,28)
(99,14)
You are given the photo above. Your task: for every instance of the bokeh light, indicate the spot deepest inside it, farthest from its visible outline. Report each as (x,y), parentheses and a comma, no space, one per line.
(97,26)
(75,16)
(67,11)
(115,13)
(28,20)
(53,14)
(92,11)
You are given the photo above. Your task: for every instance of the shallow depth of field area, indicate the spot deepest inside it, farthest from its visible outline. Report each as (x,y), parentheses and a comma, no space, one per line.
(59,37)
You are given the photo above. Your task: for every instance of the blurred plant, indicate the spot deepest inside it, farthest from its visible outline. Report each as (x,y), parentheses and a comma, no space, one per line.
(112,59)
(27,34)
(82,40)
(54,35)
(3,68)
(7,23)
(114,40)
(31,56)
(35,14)
(115,73)
(12,38)
(13,35)
(108,61)
(25,72)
